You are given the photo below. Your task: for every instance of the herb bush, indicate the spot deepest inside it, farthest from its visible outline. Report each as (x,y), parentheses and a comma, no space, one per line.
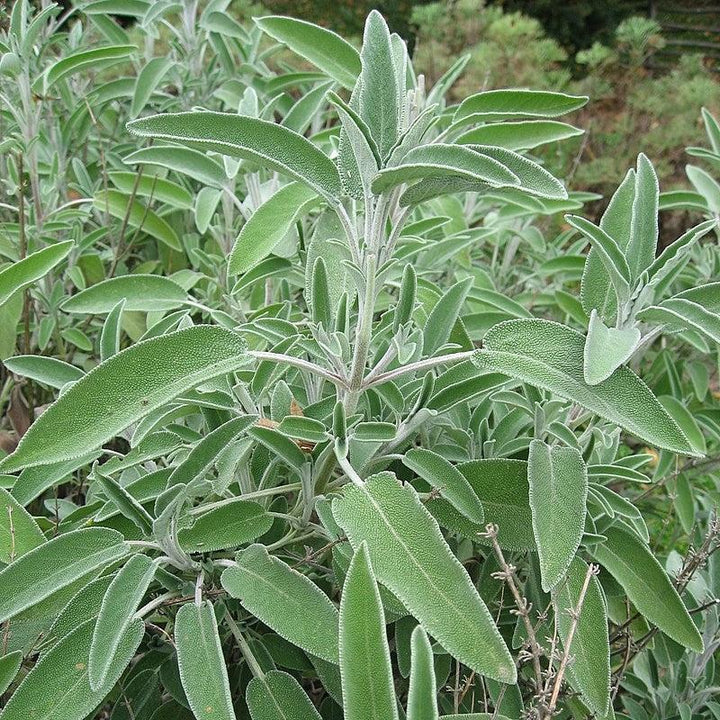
(306,417)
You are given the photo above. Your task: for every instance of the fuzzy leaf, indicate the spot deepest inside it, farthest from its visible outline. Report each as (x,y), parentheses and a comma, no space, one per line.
(606,349)
(550,356)
(422,695)
(558,490)
(509,104)
(278,696)
(446,478)
(186,161)
(27,271)
(202,665)
(47,370)
(523,135)
(57,688)
(285,600)
(412,559)
(9,667)
(647,585)
(143,293)
(323,48)
(269,224)
(266,143)
(123,389)
(19,533)
(365,667)
(139,216)
(116,616)
(589,672)
(233,524)
(56,564)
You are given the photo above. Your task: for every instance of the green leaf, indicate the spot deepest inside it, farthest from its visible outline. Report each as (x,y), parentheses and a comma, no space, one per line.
(441,320)
(147,81)
(57,688)
(597,289)
(422,695)
(502,487)
(445,161)
(446,478)
(609,252)
(706,185)
(533,178)
(269,224)
(116,616)
(278,696)
(125,388)
(149,185)
(143,293)
(412,559)
(550,356)
(379,95)
(27,271)
(647,585)
(509,104)
(285,600)
(640,251)
(202,666)
(685,419)
(82,60)
(56,564)
(205,452)
(281,446)
(558,490)
(140,217)
(19,533)
(9,667)
(365,667)
(111,332)
(186,161)
(323,48)
(589,672)
(606,349)
(271,145)
(233,524)
(523,135)
(680,312)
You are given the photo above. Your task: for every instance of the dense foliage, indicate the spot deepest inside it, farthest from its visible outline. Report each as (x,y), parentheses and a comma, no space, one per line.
(307,414)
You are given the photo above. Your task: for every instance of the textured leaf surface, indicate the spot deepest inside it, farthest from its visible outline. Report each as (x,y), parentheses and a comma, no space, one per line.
(140,292)
(558,490)
(502,487)
(9,666)
(202,665)
(411,558)
(285,600)
(323,48)
(139,216)
(606,349)
(19,533)
(57,688)
(48,370)
(550,356)
(187,161)
(278,696)
(647,585)
(523,135)
(268,226)
(125,388)
(589,672)
(267,143)
(25,272)
(422,700)
(508,104)
(228,526)
(116,615)
(446,478)
(56,564)
(365,667)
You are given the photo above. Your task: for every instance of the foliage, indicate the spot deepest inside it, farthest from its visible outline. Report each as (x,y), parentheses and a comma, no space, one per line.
(307,416)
